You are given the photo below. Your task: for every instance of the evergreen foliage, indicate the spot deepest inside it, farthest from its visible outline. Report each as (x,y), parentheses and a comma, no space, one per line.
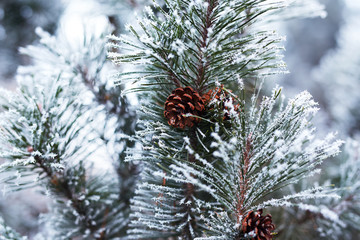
(237,155)
(8,233)
(347,179)
(203,180)
(332,218)
(49,136)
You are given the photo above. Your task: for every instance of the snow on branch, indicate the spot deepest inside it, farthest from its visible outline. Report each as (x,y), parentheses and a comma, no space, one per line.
(176,48)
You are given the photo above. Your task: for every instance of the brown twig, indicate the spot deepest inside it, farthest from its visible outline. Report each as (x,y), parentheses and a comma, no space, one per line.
(201,69)
(61,184)
(102,235)
(243,180)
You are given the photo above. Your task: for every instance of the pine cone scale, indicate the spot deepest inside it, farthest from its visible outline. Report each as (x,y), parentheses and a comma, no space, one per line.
(181,106)
(192,107)
(187,97)
(177,98)
(170,104)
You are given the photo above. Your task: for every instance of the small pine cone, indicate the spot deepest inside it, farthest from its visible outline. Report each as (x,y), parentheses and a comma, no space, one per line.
(183,101)
(219,94)
(261,225)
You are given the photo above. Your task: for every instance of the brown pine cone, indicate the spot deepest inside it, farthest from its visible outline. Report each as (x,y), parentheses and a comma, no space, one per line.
(183,101)
(261,225)
(219,95)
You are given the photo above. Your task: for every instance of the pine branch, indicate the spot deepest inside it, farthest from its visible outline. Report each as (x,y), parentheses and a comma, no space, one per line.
(7,233)
(203,61)
(84,201)
(334,218)
(41,134)
(125,116)
(243,180)
(217,45)
(89,76)
(187,175)
(239,175)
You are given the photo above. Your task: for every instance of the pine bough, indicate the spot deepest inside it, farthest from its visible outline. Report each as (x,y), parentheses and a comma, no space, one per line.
(200,182)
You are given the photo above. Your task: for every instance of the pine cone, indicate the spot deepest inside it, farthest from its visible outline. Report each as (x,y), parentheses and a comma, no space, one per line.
(220,95)
(183,101)
(261,225)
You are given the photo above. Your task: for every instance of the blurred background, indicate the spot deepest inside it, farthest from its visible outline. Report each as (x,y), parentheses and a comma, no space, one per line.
(18,20)
(322,55)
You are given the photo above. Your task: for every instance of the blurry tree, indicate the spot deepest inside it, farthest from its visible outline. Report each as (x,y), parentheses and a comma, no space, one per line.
(308,40)
(338,75)
(18,20)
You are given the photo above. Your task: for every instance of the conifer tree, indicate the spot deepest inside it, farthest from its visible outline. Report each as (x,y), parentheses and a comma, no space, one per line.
(212,156)
(342,79)
(213,150)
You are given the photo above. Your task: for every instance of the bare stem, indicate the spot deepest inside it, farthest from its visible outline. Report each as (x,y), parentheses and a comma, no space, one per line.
(243,179)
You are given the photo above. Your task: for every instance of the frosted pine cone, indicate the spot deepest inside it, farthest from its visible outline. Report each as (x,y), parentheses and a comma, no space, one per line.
(222,97)
(183,102)
(262,226)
